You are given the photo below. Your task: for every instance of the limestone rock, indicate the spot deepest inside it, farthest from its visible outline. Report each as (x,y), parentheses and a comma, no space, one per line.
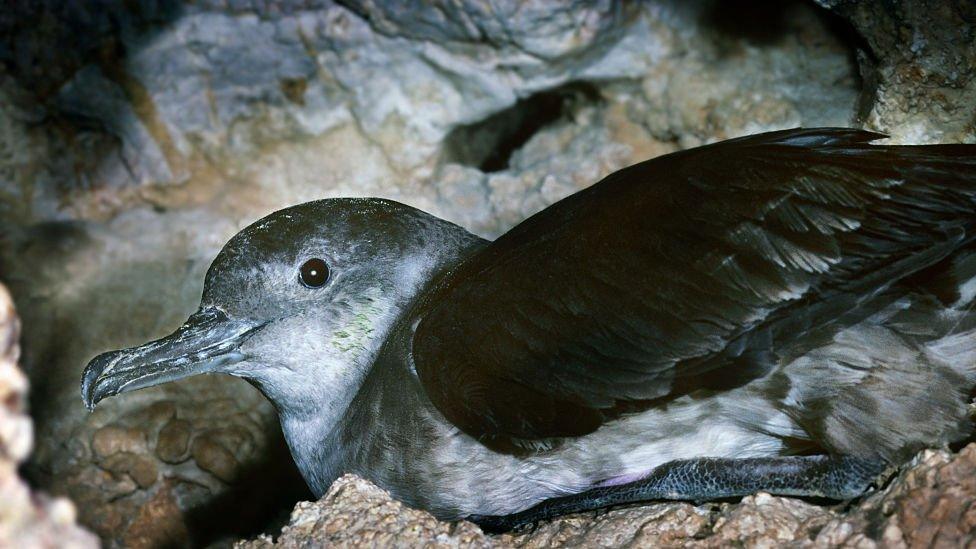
(929,504)
(653,525)
(920,70)
(174,441)
(112,439)
(212,457)
(27,519)
(763,520)
(158,523)
(140,469)
(357,513)
(387,84)
(155,464)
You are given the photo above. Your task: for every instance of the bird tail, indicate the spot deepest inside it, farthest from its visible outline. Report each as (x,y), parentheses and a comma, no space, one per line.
(911,368)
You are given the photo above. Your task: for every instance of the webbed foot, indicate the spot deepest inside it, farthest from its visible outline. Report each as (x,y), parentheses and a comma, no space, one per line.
(703,479)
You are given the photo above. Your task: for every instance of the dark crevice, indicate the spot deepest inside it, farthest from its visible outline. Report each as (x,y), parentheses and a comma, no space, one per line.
(43,43)
(859,54)
(489,144)
(759,22)
(258,503)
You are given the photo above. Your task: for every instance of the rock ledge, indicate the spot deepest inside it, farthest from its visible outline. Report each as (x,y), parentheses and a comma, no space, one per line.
(929,502)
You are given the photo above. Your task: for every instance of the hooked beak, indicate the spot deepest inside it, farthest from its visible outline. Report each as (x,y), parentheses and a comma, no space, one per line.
(209,339)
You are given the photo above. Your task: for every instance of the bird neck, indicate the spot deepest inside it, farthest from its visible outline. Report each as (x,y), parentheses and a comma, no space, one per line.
(390,422)
(329,437)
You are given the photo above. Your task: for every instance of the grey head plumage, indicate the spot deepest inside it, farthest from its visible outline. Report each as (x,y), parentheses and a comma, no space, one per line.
(259,320)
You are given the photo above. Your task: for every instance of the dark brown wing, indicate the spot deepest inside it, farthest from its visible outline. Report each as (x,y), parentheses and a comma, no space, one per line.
(625,292)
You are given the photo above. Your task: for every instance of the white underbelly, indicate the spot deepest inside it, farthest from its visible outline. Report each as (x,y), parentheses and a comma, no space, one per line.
(623,450)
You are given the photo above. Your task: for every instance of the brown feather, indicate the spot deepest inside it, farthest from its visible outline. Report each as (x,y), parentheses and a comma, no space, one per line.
(656,281)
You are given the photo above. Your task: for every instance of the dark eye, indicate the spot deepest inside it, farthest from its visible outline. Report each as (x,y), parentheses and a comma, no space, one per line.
(314,273)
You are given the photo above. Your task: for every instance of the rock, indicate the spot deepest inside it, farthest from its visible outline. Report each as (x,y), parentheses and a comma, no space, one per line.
(16,433)
(112,439)
(138,474)
(140,468)
(211,456)
(27,518)
(928,504)
(158,523)
(174,441)
(920,72)
(544,30)
(152,418)
(763,520)
(357,513)
(94,483)
(259,82)
(653,525)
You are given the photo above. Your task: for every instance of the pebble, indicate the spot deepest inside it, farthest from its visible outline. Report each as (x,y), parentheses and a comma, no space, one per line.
(173,442)
(215,459)
(140,468)
(113,439)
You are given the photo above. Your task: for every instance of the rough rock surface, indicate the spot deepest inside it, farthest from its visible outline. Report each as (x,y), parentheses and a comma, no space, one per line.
(357,513)
(28,519)
(927,504)
(186,96)
(919,67)
(137,137)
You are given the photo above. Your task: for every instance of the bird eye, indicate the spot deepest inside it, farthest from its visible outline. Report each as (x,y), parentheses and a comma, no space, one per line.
(314,273)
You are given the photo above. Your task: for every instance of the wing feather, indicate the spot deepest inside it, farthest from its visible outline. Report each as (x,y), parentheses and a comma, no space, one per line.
(668,273)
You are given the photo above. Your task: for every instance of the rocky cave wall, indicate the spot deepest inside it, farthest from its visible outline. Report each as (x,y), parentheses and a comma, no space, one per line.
(136,137)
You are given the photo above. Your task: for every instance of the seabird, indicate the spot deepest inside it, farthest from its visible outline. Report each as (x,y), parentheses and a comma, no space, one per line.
(788,312)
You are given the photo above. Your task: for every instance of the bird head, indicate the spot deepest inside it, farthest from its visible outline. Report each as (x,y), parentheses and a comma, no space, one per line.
(298,303)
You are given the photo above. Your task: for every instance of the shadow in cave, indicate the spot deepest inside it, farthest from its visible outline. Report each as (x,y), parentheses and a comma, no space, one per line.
(22,253)
(44,43)
(490,143)
(759,22)
(258,502)
(768,22)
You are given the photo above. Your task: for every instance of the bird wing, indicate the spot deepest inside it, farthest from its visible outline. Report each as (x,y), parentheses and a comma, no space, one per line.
(626,292)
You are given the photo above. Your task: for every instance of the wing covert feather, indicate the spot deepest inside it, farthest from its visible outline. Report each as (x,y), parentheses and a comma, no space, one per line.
(627,291)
